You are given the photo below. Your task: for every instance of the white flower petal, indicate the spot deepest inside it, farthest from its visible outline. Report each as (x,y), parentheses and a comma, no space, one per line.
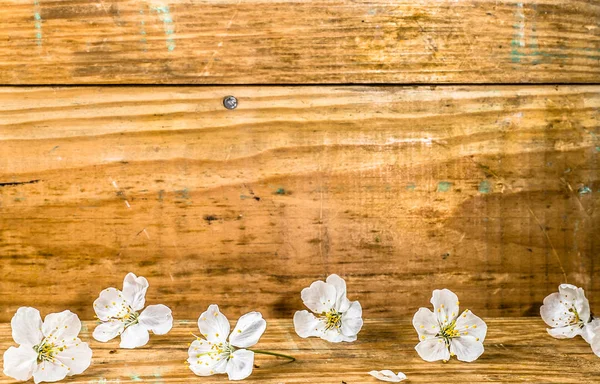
(468,324)
(341,301)
(240,364)
(433,350)
(334,335)
(349,339)
(575,296)
(425,322)
(466,348)
(595,344)
(108,331)
(134,290)
(203,362)
(319,297)
(567,332)
(249,328)
(445,305)
(213,325)
(387,375)
(50,372)
(77,356)
(110,304)
(157,318)
(306,324)
(20,363)
(552,311)
(61,326)
(352,320)
(590,330)
(27,326)
(134,336)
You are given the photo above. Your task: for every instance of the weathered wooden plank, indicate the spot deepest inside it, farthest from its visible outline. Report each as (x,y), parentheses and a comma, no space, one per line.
(517,351)
(401,190)
(304,41)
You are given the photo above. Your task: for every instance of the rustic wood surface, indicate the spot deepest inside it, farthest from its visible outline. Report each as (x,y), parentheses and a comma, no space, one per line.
(516,351)
(400,190)
(304,41)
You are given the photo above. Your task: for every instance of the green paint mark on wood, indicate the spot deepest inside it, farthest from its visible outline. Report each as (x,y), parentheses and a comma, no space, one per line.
(444,186)
(524,47)
(485,186)
(164,13)
(38,22)
(518,41)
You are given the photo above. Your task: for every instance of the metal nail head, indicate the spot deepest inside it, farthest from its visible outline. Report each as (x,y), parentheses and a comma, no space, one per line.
(230,102)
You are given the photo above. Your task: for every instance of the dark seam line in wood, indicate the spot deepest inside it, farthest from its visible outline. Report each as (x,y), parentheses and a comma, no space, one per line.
(9,184)
(303,85)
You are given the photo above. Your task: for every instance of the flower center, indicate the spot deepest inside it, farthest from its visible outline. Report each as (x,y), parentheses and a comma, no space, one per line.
(575,319)
(448,332)
(131,318)
(333,319)
(218,349)
(46,351)
(127,316)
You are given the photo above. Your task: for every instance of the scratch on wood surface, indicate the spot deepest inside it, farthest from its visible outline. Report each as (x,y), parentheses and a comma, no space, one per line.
(144,232)
(229,153)
(562,179)
(206,70)
(121,194)
(424,140)
(104,7)
(323,235)
(549,242)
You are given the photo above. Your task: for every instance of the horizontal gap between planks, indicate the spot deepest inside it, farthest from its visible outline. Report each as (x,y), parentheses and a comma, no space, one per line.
(303,85)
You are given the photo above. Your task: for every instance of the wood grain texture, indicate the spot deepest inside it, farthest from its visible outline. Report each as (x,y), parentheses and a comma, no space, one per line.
(401,190)
(516,351)
(304,41)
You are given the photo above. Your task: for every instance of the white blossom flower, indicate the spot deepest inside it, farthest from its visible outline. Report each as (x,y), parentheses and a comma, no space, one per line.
(220,352)
(567,312)
(387,375)
(119,313)
(48,351)
(337,318)
(445,333)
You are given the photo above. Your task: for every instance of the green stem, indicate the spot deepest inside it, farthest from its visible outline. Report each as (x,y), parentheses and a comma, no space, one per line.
(273,354)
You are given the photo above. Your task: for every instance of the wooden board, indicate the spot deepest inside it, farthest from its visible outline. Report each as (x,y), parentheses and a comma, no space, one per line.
(401,190)
(304,41)
(516,351)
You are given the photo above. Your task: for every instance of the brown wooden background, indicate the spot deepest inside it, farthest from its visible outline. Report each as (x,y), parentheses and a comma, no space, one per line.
(405,145)
(399,189)
(486,190)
